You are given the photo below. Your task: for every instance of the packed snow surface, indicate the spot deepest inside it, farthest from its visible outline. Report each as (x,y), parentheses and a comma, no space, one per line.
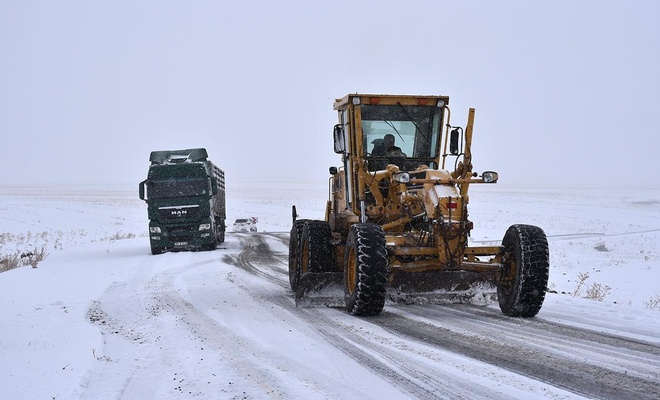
(100,317)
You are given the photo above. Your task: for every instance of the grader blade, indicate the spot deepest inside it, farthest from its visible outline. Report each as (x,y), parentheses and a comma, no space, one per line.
(442,287)
(478,294)
(321,289)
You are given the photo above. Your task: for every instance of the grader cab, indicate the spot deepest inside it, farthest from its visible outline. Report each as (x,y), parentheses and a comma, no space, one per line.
(396,223)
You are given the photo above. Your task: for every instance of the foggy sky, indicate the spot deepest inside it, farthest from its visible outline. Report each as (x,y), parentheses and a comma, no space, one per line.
(565,91)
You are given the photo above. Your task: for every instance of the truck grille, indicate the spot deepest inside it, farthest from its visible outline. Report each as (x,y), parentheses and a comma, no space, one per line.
(179,212)
(181,233)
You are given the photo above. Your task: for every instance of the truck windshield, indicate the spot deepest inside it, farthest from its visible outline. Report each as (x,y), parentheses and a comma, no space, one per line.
(158,189)
(415,129)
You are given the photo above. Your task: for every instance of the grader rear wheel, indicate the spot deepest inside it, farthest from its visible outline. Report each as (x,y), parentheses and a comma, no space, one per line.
(366,269)
(315,248)
(524,279)
(294,255)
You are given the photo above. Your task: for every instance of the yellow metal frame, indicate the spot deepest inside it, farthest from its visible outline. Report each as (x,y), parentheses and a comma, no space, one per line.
(449,252)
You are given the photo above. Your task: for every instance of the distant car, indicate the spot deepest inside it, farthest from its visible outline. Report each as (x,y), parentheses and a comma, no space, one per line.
(245,225)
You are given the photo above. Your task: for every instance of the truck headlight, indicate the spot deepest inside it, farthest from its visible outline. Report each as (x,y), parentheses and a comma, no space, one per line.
(154,229)
(489,176)
(204,227)
(401,177)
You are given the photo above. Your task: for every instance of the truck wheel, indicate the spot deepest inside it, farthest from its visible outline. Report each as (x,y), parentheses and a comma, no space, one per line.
(220,232)
(156,250)
(315,248)
(366,269)
(214,243)
(294,254)
(524,277)
(211,246)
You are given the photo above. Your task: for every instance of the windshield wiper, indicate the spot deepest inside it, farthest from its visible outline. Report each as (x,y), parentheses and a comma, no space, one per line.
(391,125)
(412,120)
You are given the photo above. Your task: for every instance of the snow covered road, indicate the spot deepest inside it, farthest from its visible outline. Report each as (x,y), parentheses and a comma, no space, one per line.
(102,318)
(199,324)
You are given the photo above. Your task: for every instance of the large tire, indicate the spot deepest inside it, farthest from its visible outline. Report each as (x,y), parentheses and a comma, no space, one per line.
(315,248)
(211,246)
(366,269)
(294,253)
(526,266)
(220,231)
(214,243)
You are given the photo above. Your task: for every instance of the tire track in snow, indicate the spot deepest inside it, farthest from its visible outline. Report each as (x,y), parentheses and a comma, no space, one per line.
(256,250)
(223,341)
(398,364)
(161,312)
(579,360)
(128,314)
(576,359)
(568,236)
(252,361)
(355,347)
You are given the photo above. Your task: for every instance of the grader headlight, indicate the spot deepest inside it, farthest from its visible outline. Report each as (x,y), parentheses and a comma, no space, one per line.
(489,176)
(401,177)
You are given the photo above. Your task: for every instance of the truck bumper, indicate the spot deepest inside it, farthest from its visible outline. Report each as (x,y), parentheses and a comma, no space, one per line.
(180,237)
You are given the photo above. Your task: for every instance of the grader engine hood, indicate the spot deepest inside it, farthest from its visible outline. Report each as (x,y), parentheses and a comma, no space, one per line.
(440,194)
(440,197)
(422,195)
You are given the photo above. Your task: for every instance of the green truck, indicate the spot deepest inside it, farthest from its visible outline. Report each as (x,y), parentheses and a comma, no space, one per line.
(185,196)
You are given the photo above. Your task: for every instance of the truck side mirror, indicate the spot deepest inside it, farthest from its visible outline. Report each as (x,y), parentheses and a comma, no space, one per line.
(214,186)
(142,190)
(338,135)
(453,141)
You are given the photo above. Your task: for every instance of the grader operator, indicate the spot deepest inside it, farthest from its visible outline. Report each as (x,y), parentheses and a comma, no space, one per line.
(396,222)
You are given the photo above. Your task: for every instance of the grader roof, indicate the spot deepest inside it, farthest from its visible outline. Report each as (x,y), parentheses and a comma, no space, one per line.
(388,99)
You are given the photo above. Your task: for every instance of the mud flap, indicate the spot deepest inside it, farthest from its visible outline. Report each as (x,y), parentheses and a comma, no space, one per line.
(321,289)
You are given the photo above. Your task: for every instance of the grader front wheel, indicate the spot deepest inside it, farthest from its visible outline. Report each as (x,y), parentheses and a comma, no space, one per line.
(524,277)
(365,273)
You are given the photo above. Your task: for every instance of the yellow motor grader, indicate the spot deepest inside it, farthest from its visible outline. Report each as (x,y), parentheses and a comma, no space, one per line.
(396,222)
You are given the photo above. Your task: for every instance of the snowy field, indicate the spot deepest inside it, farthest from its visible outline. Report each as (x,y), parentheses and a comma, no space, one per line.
(99,317)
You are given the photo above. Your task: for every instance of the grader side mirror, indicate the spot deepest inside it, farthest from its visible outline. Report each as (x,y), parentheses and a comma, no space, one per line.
(338,135)
(453,141)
